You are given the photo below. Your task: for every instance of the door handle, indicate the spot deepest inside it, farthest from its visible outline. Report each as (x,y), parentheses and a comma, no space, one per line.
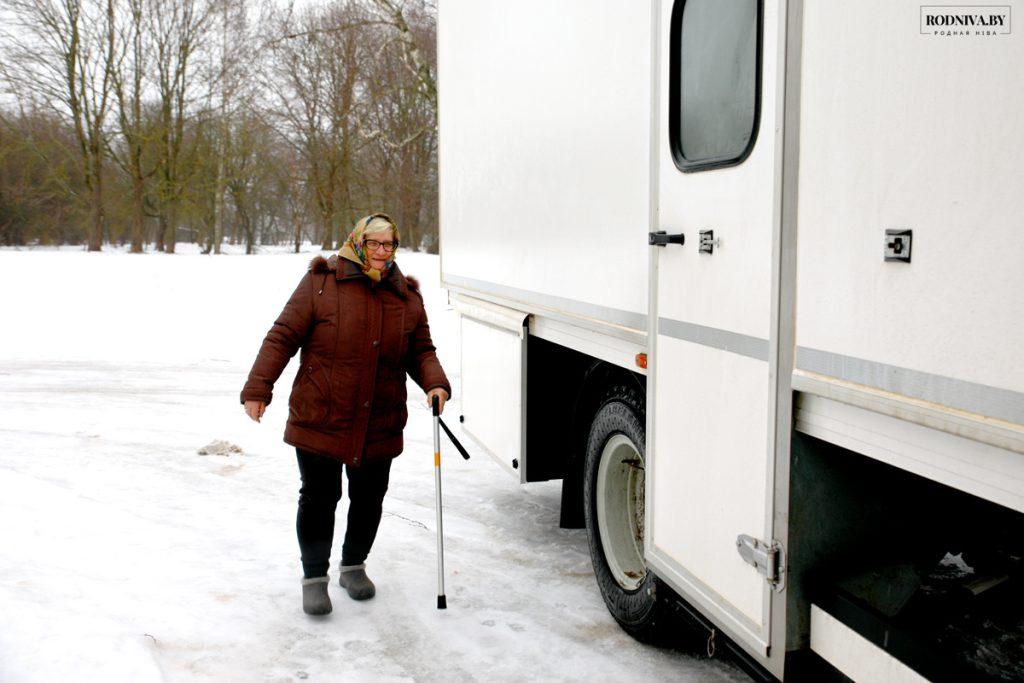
(662,238)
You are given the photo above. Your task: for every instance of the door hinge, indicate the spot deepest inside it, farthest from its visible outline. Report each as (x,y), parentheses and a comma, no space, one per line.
(769,558)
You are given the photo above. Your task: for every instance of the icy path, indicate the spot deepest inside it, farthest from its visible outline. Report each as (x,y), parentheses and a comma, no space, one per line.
(126,556)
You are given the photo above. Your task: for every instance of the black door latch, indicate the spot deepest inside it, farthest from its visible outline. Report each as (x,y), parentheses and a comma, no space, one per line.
(662,238)
(897,245)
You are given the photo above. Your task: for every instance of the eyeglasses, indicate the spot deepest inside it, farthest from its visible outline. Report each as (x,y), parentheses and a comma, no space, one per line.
(373,245)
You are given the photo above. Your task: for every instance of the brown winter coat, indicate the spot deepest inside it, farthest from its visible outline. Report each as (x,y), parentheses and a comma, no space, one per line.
(358,339)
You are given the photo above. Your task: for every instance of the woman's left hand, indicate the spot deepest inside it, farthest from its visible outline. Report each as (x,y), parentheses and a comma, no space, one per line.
(442,396)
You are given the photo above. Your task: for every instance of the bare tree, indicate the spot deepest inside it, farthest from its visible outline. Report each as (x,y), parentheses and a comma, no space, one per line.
(243,176)
(231,69)
(400,118)
(294,191)
(396,14)
(60,52)
(178,29)
(128,76)
(315,83)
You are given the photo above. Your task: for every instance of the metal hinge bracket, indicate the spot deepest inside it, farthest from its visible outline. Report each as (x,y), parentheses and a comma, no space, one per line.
(768,558)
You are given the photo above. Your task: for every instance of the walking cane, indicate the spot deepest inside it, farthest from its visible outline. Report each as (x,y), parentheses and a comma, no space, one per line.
(442,602)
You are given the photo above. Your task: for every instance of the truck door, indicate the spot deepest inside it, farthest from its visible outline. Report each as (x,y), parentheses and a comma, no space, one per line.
(712,387)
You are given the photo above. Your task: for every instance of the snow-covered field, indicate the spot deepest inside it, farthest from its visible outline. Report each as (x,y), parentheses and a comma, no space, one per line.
(127,556)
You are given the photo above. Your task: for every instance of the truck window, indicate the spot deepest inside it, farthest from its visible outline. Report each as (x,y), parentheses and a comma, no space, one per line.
(714,83)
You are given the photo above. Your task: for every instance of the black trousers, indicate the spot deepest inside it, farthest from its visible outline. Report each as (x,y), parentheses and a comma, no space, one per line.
(318,499)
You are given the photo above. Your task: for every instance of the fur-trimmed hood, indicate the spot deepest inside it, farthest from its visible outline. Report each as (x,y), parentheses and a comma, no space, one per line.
(394,277)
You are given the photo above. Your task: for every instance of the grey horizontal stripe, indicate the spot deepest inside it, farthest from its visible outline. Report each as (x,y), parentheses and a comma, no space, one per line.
(1002,404)
(698,334)
(751,347)
(611,315)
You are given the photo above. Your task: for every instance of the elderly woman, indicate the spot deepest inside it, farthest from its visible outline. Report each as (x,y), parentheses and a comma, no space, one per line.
(361,326)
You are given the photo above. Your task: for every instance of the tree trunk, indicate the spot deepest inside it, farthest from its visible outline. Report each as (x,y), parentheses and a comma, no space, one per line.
(247,228)
(415,213)
(95,240)
(328,228)
(218,208)
(96,210)
(327,215)
(171,237)
(408,207)
(138,213)
(161,230)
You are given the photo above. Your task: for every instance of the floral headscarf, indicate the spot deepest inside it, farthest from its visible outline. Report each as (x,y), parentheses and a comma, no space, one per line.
(353,248)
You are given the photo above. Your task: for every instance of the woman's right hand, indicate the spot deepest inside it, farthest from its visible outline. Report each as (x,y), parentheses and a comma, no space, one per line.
(255,409)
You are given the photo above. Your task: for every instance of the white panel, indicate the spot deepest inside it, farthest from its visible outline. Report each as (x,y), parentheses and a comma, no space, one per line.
(902,130)
(544,120)
(711,467)
(855,656)
(976,468)
(493,367)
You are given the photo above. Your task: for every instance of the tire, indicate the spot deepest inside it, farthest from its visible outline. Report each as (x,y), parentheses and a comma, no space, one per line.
(613,505)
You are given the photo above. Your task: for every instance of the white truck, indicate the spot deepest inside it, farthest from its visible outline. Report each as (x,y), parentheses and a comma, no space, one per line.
(748,276)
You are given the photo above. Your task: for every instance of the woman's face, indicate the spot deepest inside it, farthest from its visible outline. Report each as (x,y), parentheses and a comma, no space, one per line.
(379,256)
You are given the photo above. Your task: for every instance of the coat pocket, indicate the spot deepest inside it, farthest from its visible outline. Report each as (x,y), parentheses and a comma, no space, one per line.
(310,401)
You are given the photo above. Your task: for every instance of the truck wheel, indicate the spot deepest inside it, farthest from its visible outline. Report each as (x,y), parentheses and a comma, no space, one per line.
(613,503)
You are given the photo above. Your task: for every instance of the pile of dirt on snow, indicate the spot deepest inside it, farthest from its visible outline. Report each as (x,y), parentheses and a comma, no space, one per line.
(218,447)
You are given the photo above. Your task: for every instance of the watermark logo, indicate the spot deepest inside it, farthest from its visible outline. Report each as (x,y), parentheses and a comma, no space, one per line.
(965,20)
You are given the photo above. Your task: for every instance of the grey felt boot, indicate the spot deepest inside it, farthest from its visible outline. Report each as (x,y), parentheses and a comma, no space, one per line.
(315,599)
(354,580)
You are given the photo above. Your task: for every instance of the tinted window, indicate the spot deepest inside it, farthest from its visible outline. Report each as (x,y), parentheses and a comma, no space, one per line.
(714,88)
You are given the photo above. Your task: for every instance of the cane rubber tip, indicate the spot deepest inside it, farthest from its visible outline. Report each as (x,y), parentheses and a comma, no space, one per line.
(442,602)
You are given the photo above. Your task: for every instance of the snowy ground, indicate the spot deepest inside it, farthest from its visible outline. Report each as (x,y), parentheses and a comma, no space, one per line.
(126,556)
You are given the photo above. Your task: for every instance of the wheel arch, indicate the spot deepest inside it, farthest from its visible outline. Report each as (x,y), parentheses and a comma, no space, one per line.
(599,378)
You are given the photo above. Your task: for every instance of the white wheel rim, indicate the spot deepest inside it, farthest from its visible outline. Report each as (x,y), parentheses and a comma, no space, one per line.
(620,510)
